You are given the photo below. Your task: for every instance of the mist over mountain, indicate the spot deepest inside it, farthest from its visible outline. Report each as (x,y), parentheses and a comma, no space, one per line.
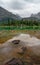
(5,14)
(8,18)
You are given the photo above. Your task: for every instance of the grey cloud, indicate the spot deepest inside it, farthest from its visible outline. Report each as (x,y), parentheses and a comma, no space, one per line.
(29,0)
(33,1)
(17,5)
(1,3)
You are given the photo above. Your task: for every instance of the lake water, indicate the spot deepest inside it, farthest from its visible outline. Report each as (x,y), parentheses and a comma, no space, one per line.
(9,50)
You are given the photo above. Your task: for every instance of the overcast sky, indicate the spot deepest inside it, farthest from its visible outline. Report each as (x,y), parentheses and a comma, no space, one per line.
(22,7)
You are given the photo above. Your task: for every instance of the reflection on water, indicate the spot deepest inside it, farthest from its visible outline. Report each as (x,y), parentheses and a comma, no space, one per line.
(9,50)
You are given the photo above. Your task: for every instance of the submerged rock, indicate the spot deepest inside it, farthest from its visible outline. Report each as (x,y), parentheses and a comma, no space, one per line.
(14,61)
(16,41)
(24,49)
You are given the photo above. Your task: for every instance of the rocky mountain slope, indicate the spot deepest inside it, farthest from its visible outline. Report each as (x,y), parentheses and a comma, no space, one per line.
(33,17)
(5,14)
(36,15)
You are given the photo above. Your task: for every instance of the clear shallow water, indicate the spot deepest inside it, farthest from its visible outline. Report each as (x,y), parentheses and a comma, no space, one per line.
(8,50)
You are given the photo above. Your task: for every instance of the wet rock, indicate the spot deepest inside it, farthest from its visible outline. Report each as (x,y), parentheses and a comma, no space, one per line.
(14,61)
(16,41)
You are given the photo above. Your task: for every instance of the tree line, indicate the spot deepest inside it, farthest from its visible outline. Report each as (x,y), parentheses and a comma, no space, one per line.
(22,22)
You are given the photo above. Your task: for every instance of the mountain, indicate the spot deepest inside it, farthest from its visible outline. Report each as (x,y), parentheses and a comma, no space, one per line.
(36,15)
(5,14)
(33,17)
